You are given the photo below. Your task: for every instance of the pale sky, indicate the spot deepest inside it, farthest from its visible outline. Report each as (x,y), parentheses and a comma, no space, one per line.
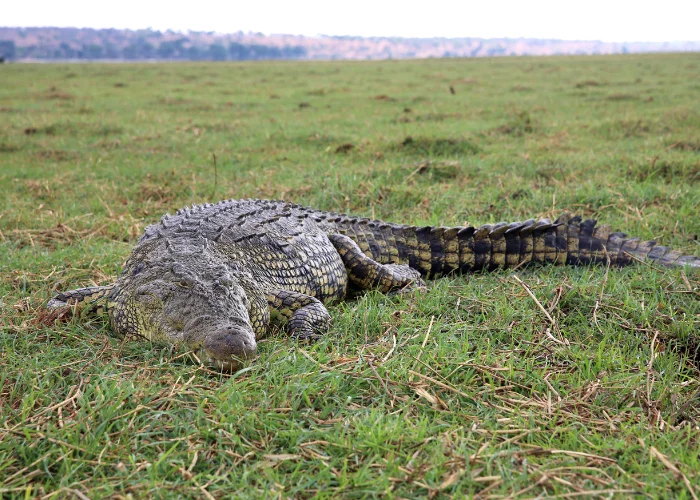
(610,21)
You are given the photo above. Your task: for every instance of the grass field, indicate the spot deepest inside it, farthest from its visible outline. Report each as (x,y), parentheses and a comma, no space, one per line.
(467,389)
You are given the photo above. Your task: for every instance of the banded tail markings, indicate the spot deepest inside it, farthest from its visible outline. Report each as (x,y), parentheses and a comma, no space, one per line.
(437,251)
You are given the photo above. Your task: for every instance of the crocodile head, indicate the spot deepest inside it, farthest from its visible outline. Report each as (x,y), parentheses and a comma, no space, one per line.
(185,297)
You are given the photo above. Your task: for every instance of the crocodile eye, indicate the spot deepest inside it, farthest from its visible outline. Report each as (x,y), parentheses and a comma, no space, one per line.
(184,284)
(148,298)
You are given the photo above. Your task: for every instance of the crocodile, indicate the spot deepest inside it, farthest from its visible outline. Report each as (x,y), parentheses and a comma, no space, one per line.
(213,276)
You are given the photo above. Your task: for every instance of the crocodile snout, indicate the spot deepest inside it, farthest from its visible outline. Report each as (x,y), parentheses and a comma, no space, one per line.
(228,346)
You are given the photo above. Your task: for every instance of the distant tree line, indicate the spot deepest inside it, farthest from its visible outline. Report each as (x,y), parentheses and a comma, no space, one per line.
(142,49)
(52,43)
(7,50)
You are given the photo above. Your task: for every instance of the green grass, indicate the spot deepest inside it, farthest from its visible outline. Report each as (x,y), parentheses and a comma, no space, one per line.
(466,389)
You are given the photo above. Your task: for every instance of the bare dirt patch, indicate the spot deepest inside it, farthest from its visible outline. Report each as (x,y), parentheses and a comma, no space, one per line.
(55,94)
(519,124)
(588,83)
(436,146)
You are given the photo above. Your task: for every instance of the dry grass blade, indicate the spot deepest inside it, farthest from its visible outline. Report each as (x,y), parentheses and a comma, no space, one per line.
(679,474)
(438,383)
(279,457)
(549,317)
(593,493)
(79,494)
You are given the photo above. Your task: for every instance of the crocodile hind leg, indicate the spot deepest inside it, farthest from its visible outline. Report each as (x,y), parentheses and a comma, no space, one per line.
(365,273)
(96,295)
(307,317)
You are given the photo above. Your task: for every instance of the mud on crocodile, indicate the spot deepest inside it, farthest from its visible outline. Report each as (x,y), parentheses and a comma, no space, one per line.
(211,276)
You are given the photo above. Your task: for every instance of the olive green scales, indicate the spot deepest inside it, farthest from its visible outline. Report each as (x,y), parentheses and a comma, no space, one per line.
(212,276)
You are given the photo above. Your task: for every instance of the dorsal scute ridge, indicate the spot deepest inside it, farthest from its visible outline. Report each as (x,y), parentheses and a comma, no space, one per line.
(514,228)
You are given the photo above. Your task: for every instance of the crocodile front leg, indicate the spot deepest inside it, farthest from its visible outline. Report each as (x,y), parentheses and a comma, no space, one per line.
(307,317)
(97,296)
(366,273)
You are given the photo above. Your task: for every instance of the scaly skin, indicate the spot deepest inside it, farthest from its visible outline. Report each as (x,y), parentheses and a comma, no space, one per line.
(212,276)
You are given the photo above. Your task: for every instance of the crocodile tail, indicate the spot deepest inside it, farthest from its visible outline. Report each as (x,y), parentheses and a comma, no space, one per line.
(588,243)
(437,251)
